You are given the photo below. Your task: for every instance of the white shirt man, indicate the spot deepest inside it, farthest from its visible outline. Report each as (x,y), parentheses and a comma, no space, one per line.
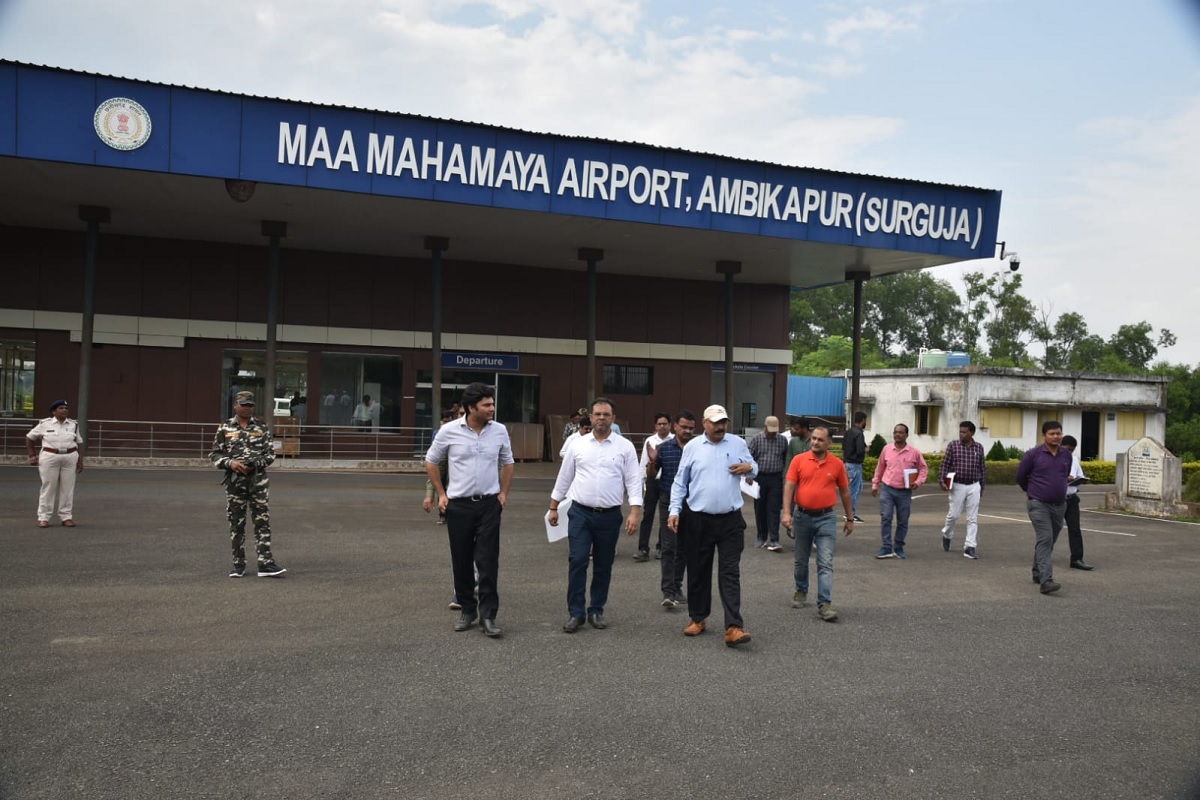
(598,472)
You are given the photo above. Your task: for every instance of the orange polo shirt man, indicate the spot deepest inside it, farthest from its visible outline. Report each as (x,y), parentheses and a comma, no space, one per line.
(815,480)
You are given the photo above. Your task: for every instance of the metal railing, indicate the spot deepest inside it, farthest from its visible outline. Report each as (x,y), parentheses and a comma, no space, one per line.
(149,439)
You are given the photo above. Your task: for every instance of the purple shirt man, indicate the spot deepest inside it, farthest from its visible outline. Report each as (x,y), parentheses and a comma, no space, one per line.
(1042,475)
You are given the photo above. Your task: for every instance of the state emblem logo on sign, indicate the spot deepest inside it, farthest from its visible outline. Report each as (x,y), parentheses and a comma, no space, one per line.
(122,124)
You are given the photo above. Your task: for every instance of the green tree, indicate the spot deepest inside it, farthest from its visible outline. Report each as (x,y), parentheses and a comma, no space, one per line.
(836,353)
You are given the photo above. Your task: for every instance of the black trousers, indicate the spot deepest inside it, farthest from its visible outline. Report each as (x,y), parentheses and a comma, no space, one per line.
(702,536)
(1074,533)
(649,504)
(768,507)
(474,531)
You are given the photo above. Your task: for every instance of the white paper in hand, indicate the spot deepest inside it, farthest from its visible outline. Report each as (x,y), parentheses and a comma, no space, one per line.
(559,531)
(750,489)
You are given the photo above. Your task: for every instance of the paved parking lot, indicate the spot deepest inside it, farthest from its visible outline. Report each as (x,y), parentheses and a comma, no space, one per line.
(132,667)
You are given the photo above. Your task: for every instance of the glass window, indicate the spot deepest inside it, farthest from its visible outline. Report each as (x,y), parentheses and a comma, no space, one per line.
(1131,424)
(927,420)
(347,377)
(1002,423)
(16,379)
(246,370)
(626,379)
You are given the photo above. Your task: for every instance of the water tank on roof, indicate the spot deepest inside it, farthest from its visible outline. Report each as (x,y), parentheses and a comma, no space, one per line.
(932,358)
(958,358)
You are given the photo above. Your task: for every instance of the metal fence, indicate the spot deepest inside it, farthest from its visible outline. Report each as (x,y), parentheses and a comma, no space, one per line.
(147,439)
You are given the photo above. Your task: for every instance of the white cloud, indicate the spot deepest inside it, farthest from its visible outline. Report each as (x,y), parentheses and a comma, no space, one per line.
(853,33)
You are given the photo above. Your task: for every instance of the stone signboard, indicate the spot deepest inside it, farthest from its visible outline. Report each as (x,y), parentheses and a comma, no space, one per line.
(1144,464)
(1149,480)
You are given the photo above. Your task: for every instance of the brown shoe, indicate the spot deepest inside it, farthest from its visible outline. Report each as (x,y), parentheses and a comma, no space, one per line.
(68,523)
(43,523)
(735,636)
(695,628)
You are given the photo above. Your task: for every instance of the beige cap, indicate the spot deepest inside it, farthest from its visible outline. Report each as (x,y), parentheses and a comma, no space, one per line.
(771,424)
(715,414)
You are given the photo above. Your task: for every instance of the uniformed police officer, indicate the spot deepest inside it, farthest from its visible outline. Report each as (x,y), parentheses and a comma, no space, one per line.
(56,449)
(242,447)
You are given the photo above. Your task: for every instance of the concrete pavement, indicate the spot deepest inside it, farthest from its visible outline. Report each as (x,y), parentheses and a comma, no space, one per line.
(133,667)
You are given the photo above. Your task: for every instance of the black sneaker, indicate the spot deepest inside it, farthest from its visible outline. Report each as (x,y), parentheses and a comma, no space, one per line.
(641,555)
(946,543)
(270,570)
(857,518)
(969,552)
(238,571)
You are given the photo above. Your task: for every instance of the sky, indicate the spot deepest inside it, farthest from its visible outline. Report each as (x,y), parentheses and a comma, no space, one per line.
(1084,113)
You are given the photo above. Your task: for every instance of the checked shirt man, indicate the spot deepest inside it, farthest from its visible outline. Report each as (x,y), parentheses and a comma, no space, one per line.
(963,460)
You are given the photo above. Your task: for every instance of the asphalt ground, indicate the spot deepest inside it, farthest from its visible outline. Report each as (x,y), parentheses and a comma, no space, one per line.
(133,667)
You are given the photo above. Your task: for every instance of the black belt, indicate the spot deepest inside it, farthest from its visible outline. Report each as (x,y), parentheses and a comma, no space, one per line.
(475,498)
(597,509)
(966,483)
(60,452)
(815,512)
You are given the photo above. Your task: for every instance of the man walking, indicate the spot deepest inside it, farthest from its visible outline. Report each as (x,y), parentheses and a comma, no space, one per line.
(900,470)
(1043,474)
(707,492)
(664,461)
(854,452)
(480,458)
(962,475)
(815,480)
(662,432)
(769,449)
(598,471)
(1071,515)
(242,447)
(55,447)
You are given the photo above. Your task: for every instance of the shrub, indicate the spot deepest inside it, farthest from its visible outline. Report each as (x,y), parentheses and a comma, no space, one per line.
(1001,473)
(877,445)
(998,452)
(1014,452)
(1191,489)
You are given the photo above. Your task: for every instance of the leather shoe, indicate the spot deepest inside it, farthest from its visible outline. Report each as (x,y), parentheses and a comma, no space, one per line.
(43,524)
(1081,564)
(573,624)
(490,627)
(465,622)
(695,628)
(1050,587)
(597,621)
(68,523)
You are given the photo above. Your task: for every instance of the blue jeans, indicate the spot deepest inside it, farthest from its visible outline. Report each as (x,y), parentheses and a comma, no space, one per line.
(898,501)
(854,473)
(823,530)
(595,534)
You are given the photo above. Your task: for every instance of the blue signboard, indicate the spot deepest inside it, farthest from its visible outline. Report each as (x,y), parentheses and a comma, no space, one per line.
(220,135)
(484,362)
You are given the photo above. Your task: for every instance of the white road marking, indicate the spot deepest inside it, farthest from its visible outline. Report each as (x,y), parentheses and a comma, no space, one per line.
(1089,530)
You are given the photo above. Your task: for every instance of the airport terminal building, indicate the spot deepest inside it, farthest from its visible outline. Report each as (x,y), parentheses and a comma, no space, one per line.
(165,246)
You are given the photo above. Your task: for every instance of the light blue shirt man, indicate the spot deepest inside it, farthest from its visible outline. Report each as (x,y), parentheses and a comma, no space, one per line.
(704,478)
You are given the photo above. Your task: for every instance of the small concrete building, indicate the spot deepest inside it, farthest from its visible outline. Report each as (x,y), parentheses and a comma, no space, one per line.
(1106,413)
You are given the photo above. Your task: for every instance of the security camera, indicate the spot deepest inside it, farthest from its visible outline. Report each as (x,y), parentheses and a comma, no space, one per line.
(1014,262)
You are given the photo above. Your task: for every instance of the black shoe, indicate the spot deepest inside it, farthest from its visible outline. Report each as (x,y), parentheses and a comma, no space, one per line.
(466,621)
(238,571)
(1037,578)
(597,621)
(658,554)
(857,518)
(946,543)
(1050,587)
(641,555)
(270,570)
(573,624)
(1081,564)
(490,627)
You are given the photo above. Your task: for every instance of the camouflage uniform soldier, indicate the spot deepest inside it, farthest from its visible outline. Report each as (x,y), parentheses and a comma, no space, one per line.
(242,447)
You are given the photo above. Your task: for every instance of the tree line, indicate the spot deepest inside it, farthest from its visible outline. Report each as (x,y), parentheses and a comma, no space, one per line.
(996,324)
